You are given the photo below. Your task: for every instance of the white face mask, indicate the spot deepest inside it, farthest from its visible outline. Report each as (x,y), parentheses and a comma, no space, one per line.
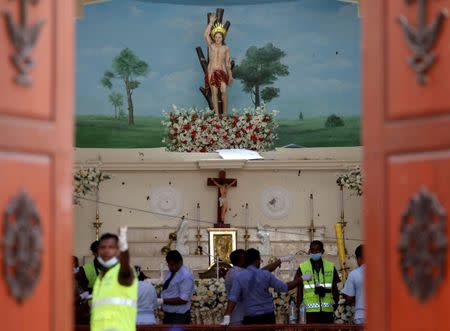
(108,264)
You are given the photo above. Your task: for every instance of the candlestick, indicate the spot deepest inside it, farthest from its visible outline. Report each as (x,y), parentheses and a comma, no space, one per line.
(198,250)
(246,235)
(342,218)
(97,225)
(311,228)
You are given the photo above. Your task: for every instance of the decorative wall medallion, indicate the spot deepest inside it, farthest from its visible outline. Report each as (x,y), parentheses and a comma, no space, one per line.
(24,39)
(166,201)
(422,39)
(423,245)
(276,202)
(22,246)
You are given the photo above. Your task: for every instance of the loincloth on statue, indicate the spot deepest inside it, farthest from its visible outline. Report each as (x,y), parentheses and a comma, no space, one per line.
(222,201)
(217,77)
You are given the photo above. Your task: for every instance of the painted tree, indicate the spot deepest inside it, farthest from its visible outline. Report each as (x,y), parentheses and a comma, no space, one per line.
(116,100)
(269,93)
(261,67)
(126,67)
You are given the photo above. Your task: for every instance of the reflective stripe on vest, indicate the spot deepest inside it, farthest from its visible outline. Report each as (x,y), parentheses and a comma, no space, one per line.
(114,301)
(316,305)
(312,301)
(326,285)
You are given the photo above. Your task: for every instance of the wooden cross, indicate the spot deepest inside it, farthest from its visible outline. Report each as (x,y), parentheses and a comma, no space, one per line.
(222,183)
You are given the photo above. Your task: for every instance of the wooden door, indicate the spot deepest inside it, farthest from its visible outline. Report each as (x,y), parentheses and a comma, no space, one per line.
(406,138)
(36,133)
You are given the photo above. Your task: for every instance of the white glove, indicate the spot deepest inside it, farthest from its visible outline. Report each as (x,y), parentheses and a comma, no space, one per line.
(287,258)
(307,277)
(85,295)
(123,244)
(226,320)
(160,302)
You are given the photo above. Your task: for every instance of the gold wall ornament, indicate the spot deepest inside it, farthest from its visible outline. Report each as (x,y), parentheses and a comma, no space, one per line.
(24,38)
(423,245)
(21,246)
(221,243)
(422,39)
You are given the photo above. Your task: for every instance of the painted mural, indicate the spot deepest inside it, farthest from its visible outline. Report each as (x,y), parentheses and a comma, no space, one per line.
(293,63)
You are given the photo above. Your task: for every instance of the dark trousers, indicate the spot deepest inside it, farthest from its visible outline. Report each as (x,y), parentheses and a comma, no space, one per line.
(268,318)
(174,318)
(320,318)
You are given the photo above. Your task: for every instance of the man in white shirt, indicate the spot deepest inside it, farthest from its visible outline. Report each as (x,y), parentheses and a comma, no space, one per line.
(353,290)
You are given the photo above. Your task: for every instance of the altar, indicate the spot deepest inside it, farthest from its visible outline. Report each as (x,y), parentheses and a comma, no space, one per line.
(150,190)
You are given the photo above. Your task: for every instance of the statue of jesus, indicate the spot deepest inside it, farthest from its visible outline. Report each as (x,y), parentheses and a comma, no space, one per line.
(218,75)
(223,203)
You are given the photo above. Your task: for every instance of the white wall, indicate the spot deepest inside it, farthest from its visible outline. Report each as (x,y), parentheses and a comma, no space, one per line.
(135,173)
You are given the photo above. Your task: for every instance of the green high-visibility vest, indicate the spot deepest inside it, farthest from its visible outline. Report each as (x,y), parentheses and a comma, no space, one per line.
(91,273)
(114,305)
(313,302)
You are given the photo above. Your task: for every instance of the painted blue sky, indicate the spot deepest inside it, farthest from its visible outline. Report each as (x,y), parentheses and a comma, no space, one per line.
(321,39)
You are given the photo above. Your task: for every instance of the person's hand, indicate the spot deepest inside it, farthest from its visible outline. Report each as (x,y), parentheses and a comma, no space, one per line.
(307,277)
(226,320)
(212,18)
(287,258)
(123,244)
(160,302)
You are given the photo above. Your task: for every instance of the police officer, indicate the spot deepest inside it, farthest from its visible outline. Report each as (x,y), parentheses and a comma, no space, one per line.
(251,286)
(116,288)
(320,294)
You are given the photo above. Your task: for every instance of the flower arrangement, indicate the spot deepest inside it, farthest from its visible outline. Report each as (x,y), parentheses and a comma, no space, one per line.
(344,312)
(202,131)
(352,180)
(208,300)
(87,180)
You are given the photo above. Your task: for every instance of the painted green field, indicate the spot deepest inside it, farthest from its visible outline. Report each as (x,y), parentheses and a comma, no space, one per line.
(102,131)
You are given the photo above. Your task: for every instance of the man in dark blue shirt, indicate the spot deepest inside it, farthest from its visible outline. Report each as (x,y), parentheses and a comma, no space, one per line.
(252,287)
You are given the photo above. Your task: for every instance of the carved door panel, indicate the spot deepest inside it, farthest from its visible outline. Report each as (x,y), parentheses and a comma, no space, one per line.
(36,128)
(406,137)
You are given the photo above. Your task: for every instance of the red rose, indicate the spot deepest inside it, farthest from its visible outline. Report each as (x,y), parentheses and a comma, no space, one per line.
(254,138)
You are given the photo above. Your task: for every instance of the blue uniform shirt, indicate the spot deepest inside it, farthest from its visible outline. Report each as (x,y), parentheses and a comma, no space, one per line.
(181,286)
(238,312)
(252,285)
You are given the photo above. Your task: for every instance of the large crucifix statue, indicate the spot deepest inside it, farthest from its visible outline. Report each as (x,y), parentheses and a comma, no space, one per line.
(222,183)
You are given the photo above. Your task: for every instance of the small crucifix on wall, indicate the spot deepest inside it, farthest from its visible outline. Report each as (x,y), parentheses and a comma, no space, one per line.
(222,183)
